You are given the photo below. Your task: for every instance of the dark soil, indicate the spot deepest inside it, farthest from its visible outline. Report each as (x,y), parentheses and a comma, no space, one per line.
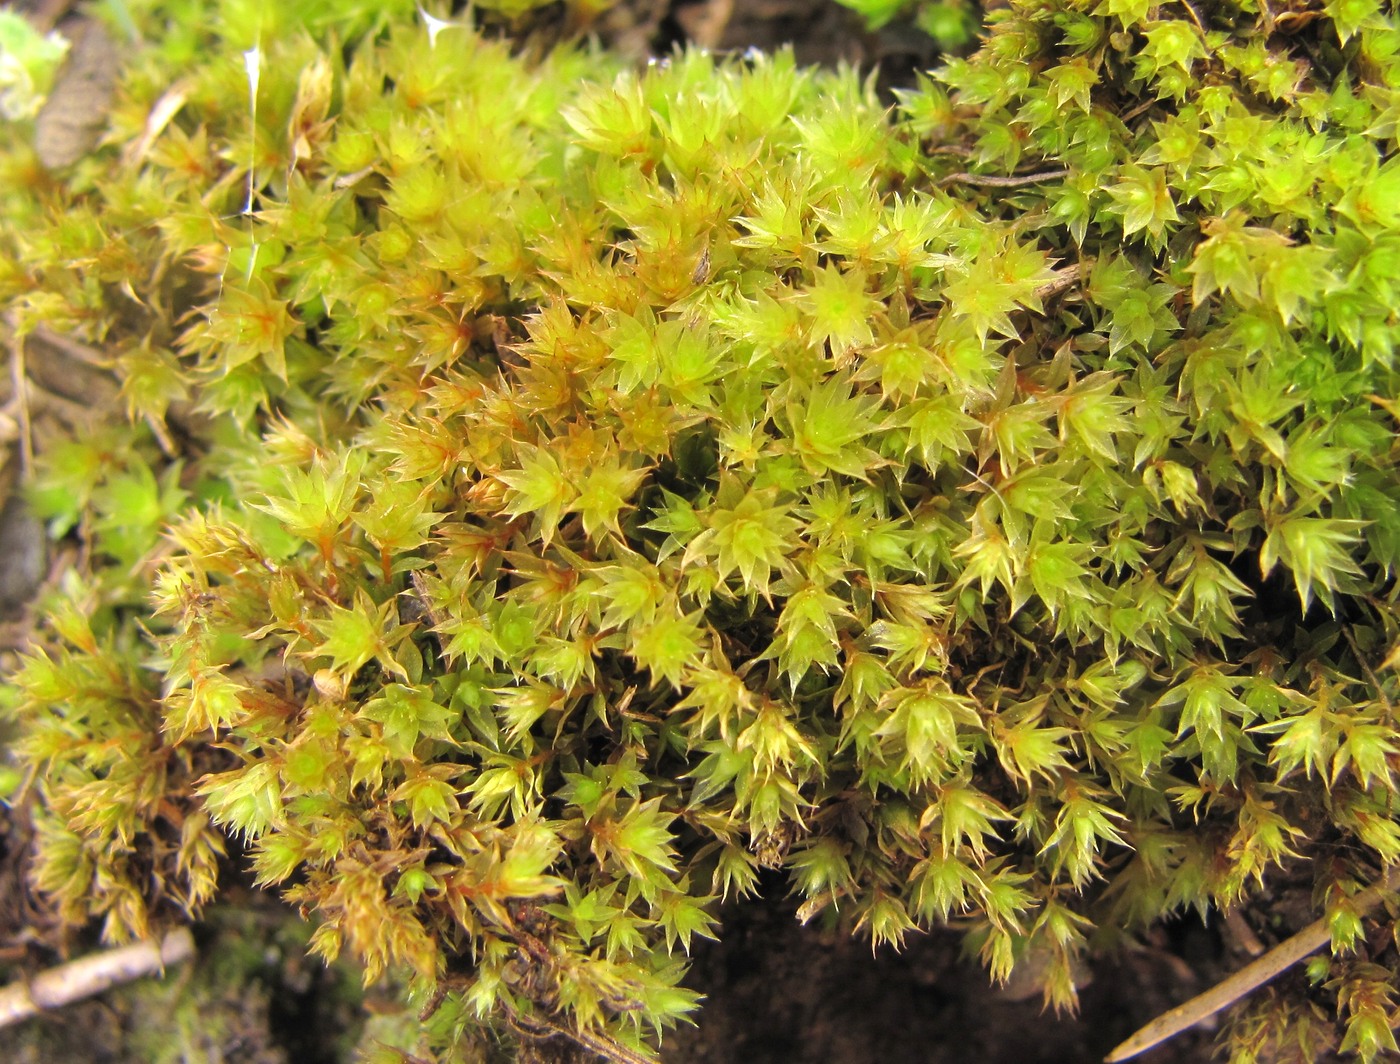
(780,993)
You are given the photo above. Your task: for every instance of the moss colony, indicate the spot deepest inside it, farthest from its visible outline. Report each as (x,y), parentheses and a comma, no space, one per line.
(587,487)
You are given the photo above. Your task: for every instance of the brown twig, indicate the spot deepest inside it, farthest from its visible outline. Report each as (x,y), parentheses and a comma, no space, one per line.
(1196,18)
(1066,278)
(1370,673)
(705,23)
(19,376)
(1146,105)
(91,975)
(992,181)
(1248,979)
(44,15)
(609,1048)
(1239,930)
(75,349)
(595,1042)
(163,111)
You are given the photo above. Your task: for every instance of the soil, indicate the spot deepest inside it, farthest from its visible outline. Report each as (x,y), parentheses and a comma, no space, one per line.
(777,992)
(780,993)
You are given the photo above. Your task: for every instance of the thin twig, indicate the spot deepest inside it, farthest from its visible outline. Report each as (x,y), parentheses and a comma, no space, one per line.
(162,113)
(1066,278)
(164,440)
(45,14)
(91,975)
(992,181)
(20,378)
(706,24)
(608,1048)
(1266,14)
(1242,933)
(1366,668)
(1146,105)
(1248,979)
(73,348)
(1191,11)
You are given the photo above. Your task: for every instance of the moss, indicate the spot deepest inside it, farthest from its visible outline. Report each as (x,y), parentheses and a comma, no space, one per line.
(595,485)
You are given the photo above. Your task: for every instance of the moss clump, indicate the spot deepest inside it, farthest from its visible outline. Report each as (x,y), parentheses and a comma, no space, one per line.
(595,486)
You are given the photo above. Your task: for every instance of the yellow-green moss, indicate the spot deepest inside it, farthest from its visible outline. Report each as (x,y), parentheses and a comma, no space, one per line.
(597,484)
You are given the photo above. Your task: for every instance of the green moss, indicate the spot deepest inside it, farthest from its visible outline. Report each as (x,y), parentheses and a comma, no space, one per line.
(603,483)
